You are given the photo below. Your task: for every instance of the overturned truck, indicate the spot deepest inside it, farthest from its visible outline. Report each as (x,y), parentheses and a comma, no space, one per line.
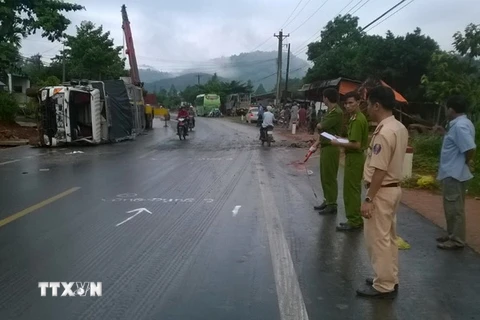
(89,112)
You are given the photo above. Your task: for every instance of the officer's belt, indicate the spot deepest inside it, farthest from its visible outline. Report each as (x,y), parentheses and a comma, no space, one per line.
(390,185)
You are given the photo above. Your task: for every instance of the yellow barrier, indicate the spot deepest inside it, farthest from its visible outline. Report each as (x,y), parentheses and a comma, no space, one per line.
(161,112)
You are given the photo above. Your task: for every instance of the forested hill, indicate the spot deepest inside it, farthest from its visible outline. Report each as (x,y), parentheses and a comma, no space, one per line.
(259,67)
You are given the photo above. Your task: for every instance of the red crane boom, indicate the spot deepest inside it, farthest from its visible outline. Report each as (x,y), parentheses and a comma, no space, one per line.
(132,59)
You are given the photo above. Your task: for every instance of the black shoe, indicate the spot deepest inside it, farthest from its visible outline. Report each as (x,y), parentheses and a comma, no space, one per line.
(329,209)
(320,207)
(347,227)
(450,245)
(369,281)
(371,292)
(443,239)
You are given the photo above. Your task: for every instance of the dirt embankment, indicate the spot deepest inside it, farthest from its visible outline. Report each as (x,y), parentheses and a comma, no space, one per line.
(14,132)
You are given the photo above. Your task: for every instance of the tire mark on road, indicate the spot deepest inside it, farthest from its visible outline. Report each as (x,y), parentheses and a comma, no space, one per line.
(148,246)
(290,298)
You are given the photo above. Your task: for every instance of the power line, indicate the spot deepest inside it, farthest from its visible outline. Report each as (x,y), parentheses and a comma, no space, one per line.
(380,22)
(372,22)
(320,31)
(274,74)
(363,5)
(358,3)
(298,12)
(291,14)
(345,7)
(314,13)
(384,14)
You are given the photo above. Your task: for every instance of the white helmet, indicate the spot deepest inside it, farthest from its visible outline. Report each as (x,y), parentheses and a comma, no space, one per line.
(269,108)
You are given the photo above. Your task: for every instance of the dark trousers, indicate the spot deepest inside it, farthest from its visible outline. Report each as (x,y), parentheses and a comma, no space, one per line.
(454,206)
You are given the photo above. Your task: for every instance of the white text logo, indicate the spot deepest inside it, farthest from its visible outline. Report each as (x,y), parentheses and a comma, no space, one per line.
(71,289)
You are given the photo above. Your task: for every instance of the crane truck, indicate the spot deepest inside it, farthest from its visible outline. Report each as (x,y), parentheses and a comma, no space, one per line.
(133,83)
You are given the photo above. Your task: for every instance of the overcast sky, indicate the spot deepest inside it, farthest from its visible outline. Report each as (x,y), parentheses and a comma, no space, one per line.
(174,35)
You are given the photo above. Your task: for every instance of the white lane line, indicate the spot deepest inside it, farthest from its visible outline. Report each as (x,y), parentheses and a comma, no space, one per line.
(147,154)
(235,210)
(290,298)
(8,162)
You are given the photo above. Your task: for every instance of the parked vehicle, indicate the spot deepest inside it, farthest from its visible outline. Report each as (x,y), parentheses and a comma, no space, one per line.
(215,113)
(206,103)
(252,114)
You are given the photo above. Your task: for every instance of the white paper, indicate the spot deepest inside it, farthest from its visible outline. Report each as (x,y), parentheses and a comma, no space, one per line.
(331,137)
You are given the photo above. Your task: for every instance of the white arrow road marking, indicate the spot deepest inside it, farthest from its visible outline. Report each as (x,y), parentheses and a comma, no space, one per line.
(235,210)
(138,211)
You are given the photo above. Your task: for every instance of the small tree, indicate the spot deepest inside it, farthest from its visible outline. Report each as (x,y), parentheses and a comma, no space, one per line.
(8,107)
(91,54)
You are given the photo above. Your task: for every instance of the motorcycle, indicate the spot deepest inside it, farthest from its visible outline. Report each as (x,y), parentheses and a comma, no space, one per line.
(191,125)
(267,135)
(182,128)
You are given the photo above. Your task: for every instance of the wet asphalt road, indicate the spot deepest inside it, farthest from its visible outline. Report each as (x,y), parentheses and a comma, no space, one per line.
(192,255)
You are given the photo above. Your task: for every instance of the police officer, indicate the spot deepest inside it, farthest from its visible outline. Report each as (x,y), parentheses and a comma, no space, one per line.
(382,175)
(354,162)
(330,155)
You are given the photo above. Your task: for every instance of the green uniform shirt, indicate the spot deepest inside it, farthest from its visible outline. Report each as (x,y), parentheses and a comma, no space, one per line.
(332,123)
(358,131)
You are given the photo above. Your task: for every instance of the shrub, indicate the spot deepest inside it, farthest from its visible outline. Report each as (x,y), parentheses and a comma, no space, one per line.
(426,153)
(8,107)
(427,145)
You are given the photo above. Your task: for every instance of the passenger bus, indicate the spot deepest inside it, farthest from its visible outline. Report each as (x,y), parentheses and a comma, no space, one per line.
(205,103)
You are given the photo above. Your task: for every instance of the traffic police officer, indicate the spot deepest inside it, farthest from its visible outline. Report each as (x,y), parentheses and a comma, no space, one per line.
(382,175)
(330,155)
(354,162)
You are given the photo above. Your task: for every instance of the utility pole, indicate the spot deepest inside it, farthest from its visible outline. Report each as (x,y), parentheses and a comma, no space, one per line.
(280,37)
(198,78)
(63,63)
(288,69)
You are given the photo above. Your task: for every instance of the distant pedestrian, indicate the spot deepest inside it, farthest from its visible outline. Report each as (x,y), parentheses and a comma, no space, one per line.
(457,153)
(382,175)
(287,115)
(293,114)
(330,155)
(302,118)
(354,162)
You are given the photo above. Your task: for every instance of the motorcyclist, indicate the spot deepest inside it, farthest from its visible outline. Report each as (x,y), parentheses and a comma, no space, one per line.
(268,119)
(182,113)
(191,112)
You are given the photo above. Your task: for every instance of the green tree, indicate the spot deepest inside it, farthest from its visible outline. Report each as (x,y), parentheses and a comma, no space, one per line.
(173,91)
(456,72)
(468,44)
(249,86)
(346,51)
(260,89)
(23,17)
(334,55)
(91,54)
(190,93)
(35,69)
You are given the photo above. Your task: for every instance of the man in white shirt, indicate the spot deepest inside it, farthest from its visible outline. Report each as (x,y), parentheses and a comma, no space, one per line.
(268,119)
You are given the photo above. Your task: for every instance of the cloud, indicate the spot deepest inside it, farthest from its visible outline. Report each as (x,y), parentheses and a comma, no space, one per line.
(179,35)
